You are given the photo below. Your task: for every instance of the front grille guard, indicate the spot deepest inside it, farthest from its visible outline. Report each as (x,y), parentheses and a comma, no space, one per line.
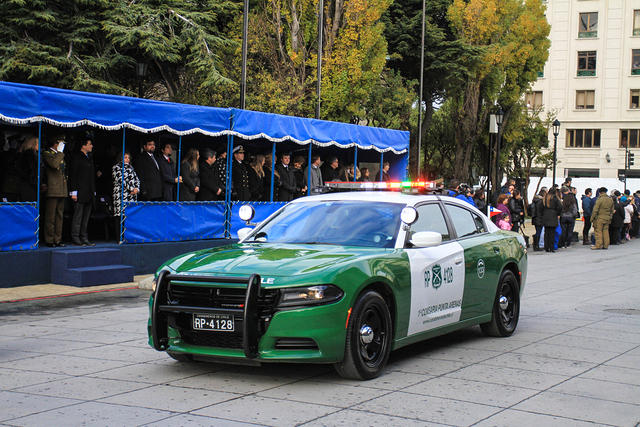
(250,318)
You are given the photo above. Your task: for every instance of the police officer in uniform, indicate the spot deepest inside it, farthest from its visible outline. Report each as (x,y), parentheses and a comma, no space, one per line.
(239,176)
(55,169)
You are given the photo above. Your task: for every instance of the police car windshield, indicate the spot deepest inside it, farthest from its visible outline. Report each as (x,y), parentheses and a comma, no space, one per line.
(348,223)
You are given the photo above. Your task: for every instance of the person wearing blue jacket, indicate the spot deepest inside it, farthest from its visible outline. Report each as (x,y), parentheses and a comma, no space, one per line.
(466,194)
(587,208)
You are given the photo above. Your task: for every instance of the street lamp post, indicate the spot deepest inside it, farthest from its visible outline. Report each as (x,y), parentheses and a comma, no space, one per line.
(556,131)
(499,118)
(141,72)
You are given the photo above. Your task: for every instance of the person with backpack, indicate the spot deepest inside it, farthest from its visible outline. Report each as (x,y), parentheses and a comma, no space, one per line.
(567,216)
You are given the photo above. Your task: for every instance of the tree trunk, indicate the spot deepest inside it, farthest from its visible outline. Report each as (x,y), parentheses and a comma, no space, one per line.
(465,130)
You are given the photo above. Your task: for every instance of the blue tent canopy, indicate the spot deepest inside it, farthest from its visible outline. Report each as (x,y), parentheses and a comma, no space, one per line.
(23,104)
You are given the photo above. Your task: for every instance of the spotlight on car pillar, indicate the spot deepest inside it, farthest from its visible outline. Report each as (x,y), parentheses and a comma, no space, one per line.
(246,212)
(409,215)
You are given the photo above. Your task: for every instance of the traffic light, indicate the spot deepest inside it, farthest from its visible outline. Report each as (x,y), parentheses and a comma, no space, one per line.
(630,160)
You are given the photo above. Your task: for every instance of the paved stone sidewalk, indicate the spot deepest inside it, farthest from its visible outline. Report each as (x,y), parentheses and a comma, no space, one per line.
(574,361)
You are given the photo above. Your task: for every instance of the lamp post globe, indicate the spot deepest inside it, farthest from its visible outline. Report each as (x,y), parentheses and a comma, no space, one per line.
(556,131)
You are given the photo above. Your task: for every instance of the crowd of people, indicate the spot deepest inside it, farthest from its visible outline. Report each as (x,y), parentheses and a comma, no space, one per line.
(614,216)
(70,176)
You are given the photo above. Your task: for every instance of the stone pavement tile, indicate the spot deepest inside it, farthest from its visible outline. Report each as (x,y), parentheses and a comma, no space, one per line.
(14,405)
(350,418)
(262,410)
(582,408)
(626,361)
(43,345)
(94,414)
(472,391)
(427,408)
(566,353)
(58,364)
(508,376)
(155,373)
(28,330)
(11,355)
(594,332)
(591,343)
(178,399)
(119,352)
(540,364)
(234,381)
(494,344)
(510,418)
(97,337)
(69,322)
(286,370)
(138,327)
(82,388)
(11,379)
(598,389)
(457,354)
(323,393)
(389,380)
(118,316)
(425,366)
(189,420)
(614,374)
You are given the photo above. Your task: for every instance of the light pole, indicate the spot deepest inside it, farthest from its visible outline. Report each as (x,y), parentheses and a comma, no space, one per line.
(418,171)
(556,131)
(499,118)
(141,72)
(243,70)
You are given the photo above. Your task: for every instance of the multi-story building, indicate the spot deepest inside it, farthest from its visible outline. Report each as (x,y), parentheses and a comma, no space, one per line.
(592,81)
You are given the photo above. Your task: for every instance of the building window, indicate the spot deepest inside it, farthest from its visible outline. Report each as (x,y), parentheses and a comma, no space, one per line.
(636,22)
(583,173)
(583,138)
(630,136)
(588,25)
(540,74)
(587,63)
(634,101)
(533,99)
(635,62)
(584,99)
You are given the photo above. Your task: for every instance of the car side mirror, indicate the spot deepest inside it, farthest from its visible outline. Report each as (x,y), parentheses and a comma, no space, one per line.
(244,232)
(426,239)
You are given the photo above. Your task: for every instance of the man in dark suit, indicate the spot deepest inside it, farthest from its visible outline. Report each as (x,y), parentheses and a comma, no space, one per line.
(330,170)
(148,171)
(288,187)
(209,186)
(82,189)
(168,171)
(384,176)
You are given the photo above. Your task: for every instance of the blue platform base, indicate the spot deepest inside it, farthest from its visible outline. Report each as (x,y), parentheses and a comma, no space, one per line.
(21,268)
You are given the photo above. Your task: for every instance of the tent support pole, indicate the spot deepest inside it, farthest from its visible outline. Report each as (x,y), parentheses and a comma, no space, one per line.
(355,164)
(309,171)
(273,166)
(381,164)
(179,160)
(38,186)
(120,239)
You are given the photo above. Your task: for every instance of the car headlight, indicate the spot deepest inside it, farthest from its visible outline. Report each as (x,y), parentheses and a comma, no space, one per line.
(154,284)
(309,295)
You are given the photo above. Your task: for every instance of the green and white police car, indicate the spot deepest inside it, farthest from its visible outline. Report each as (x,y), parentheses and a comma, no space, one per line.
(341,278)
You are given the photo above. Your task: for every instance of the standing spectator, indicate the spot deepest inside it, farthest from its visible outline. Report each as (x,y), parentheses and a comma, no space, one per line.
(628,214)
(464,193)
(169,174)
(288,189)
(454,188)
(27,165)
(55,170)
(508,187)
(635,220)
(537,210)
(567,182)
(568,216)
(480,200)
(258,179)
(550,218)
(503,219)
(220,169)
(82,189)
(330,171)
(347,174)
(316,173)
(384,176)
(190,173)
(209,186)
(127,180)
(148,171)
(298,161)
(601,218)
(268,159)
(516,206)
(587,208)
(239,176)
(365,175)
(617,220)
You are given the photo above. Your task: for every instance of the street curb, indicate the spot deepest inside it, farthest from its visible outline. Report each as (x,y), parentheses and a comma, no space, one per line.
(146,283)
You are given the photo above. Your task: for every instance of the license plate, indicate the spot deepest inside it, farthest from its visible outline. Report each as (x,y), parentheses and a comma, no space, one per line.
(213,322)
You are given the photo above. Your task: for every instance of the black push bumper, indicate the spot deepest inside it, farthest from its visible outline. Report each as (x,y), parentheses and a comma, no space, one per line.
(161,308)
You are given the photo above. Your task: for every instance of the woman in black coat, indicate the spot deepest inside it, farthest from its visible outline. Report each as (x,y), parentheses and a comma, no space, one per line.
(516,207)
(617,220)
(552,208)
(190,176)
(537,209)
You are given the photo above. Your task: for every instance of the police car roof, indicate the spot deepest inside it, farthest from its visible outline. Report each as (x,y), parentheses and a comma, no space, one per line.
(372,196)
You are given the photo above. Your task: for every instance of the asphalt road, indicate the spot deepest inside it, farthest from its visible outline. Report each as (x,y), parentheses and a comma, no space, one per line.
(574,361)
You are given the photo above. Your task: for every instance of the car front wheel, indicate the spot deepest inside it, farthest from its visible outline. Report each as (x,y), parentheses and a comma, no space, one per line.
(368,342)
(506,307)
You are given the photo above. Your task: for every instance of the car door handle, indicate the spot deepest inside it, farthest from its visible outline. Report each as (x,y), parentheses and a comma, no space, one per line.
(496,249)
(458,260)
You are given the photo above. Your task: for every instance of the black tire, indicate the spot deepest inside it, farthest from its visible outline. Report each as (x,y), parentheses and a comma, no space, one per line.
(505,316)
(369,336)
(180,357)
